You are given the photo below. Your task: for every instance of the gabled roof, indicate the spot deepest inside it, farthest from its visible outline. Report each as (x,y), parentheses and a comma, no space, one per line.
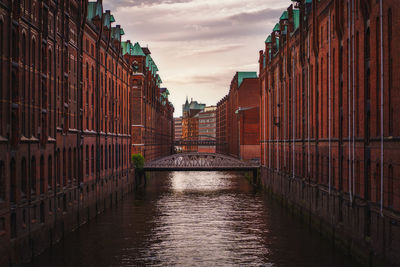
(137,50)
(244,75)
(269,39)
(284,15)
(277,27)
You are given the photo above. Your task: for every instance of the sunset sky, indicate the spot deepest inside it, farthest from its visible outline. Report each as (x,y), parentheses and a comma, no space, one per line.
(198,45)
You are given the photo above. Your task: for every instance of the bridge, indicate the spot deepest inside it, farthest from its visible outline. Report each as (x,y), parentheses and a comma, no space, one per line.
(201,162)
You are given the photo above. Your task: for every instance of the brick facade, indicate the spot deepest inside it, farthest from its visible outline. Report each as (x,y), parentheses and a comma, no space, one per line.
(238,118)
(322,77)
(65,117)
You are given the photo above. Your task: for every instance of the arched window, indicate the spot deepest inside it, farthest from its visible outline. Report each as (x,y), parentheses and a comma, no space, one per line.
(41,179)
(49,173)
(14,45)
(24,178)
(13,181)
(2,182)
(33,176)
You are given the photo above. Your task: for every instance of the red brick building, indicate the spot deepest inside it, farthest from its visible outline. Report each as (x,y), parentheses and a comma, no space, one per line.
(65,120)
(190,124)
(328,105)
(152,113)
(238,118)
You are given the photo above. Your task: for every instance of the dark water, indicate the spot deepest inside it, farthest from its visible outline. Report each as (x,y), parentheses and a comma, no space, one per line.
(195,219)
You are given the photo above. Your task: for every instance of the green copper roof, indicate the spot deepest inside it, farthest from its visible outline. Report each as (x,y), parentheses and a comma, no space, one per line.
(284,15)
(269,39)
(112,19)
(122,32)
(244,75)
(277,27)
(107,21)
(94,9)
(308,1)
(126,47)
(296,19)
(137,50)
(116,33)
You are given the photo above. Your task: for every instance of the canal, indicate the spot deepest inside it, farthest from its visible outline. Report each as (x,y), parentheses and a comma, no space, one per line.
(195,219)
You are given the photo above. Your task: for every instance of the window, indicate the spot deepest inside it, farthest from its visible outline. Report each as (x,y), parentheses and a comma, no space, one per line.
(33,176)
(24,187)
(49,173)
(41,179)
(92,159)
(64,167)
(13,181)
(69,165)
(87,160)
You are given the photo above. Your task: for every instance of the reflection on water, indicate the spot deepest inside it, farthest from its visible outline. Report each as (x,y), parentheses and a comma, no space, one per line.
(195,219)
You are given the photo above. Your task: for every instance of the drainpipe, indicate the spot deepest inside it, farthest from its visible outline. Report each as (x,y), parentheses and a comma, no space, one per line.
(329,108)
(293,113)
(348,99)
(381,37)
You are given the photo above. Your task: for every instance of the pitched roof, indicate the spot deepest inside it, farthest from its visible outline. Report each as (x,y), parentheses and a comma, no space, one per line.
(137,50)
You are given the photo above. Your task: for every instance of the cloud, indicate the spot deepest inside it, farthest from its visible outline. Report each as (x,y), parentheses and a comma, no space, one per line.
(198,45)
(143,3)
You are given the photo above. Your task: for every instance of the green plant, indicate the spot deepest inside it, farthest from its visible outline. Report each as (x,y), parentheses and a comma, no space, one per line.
(138,161)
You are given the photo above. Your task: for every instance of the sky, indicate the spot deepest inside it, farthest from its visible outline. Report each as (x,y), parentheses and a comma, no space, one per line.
(199,45)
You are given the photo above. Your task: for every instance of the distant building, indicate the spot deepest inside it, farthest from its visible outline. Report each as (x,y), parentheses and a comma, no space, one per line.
(238,118)
(190,123)
(207,129)
(178,128)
